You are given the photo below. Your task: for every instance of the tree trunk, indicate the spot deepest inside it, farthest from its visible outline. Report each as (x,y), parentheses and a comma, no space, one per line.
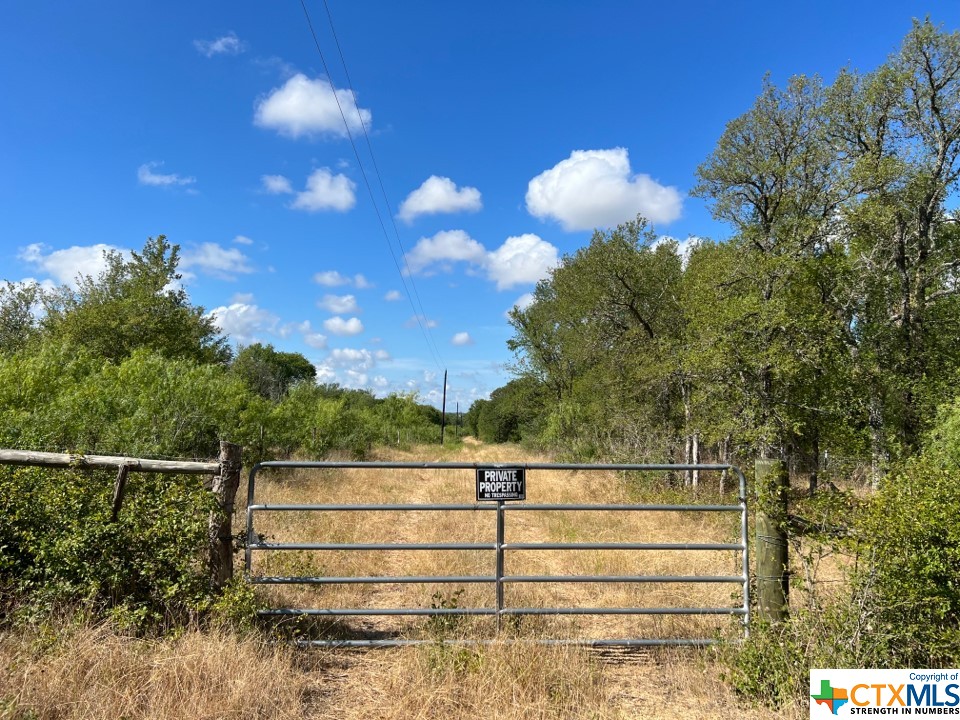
(815,466)
(688,448)
(773,563)
(696,459)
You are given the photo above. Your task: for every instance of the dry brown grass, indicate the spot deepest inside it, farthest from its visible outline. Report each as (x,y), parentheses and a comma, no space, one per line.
(88,673)
(97,673)
(529,681)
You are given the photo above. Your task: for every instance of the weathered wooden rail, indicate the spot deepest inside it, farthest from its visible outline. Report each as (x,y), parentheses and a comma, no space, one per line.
(226,479)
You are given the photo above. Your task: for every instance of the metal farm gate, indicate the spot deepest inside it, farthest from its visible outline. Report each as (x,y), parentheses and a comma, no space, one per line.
(491,500)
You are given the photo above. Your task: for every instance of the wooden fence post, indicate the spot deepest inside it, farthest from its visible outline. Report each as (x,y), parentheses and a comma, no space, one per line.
(221,520)
(773,576)
(119,488)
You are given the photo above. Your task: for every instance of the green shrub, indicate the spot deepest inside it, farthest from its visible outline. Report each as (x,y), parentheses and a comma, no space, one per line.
(60,397)
(58,545)
(911,538)
(900,605)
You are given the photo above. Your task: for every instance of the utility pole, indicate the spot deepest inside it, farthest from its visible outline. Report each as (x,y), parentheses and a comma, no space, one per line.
(443,416)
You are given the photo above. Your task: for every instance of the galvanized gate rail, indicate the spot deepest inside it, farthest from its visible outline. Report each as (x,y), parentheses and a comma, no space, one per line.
(499,579)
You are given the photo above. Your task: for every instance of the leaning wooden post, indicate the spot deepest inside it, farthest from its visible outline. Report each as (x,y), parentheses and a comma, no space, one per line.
(773,576)
(119,488)
(221,519)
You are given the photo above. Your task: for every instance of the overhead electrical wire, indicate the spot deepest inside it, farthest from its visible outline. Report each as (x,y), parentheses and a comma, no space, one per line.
(419,316)
(373,157)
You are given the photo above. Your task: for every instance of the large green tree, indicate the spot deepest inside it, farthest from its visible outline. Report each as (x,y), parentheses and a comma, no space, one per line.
(602,334)
(135,303)
(269,372)
(767,321)
(897,133)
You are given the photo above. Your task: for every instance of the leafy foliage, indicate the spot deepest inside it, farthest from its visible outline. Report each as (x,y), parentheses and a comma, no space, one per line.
(62,397)
(270,373)
(901,607)
(125,365)
(133,304)
(58,545)
(600,338)
(913,551)
(17,322)
(504,418)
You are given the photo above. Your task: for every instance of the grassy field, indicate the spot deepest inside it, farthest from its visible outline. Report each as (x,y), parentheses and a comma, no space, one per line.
(93,672)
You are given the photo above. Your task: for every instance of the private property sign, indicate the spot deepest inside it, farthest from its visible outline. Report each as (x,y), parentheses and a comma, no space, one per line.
(501,483)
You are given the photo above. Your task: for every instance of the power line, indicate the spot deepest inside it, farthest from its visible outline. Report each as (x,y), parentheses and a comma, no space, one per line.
(418,316)
(373,158)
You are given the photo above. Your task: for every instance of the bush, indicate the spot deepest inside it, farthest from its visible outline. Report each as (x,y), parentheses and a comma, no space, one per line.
(911,538)
(901,607)
(57,544)
(61,397)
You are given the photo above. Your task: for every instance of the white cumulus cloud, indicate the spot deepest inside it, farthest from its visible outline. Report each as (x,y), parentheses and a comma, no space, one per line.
(332,278)
(146,176)
(520,259)
(64,266)
(305,107)
(339,304)
(276,185)
(242,240)
(357,359)
(326,191)
(596,188)
(439,195)
(338,326)
(245,322)
(462,338)
(220,262)
(445,246)
(393,296)
(228,44)
(350,367)
(311,338)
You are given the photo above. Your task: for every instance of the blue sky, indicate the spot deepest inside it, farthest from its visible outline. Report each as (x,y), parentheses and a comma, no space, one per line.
(503,132)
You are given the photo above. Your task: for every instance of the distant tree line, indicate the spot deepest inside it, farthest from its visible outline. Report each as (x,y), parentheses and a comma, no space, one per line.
(124,364)
(828,322)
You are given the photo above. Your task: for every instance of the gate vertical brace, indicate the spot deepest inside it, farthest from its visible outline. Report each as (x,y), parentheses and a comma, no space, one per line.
(499,573)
